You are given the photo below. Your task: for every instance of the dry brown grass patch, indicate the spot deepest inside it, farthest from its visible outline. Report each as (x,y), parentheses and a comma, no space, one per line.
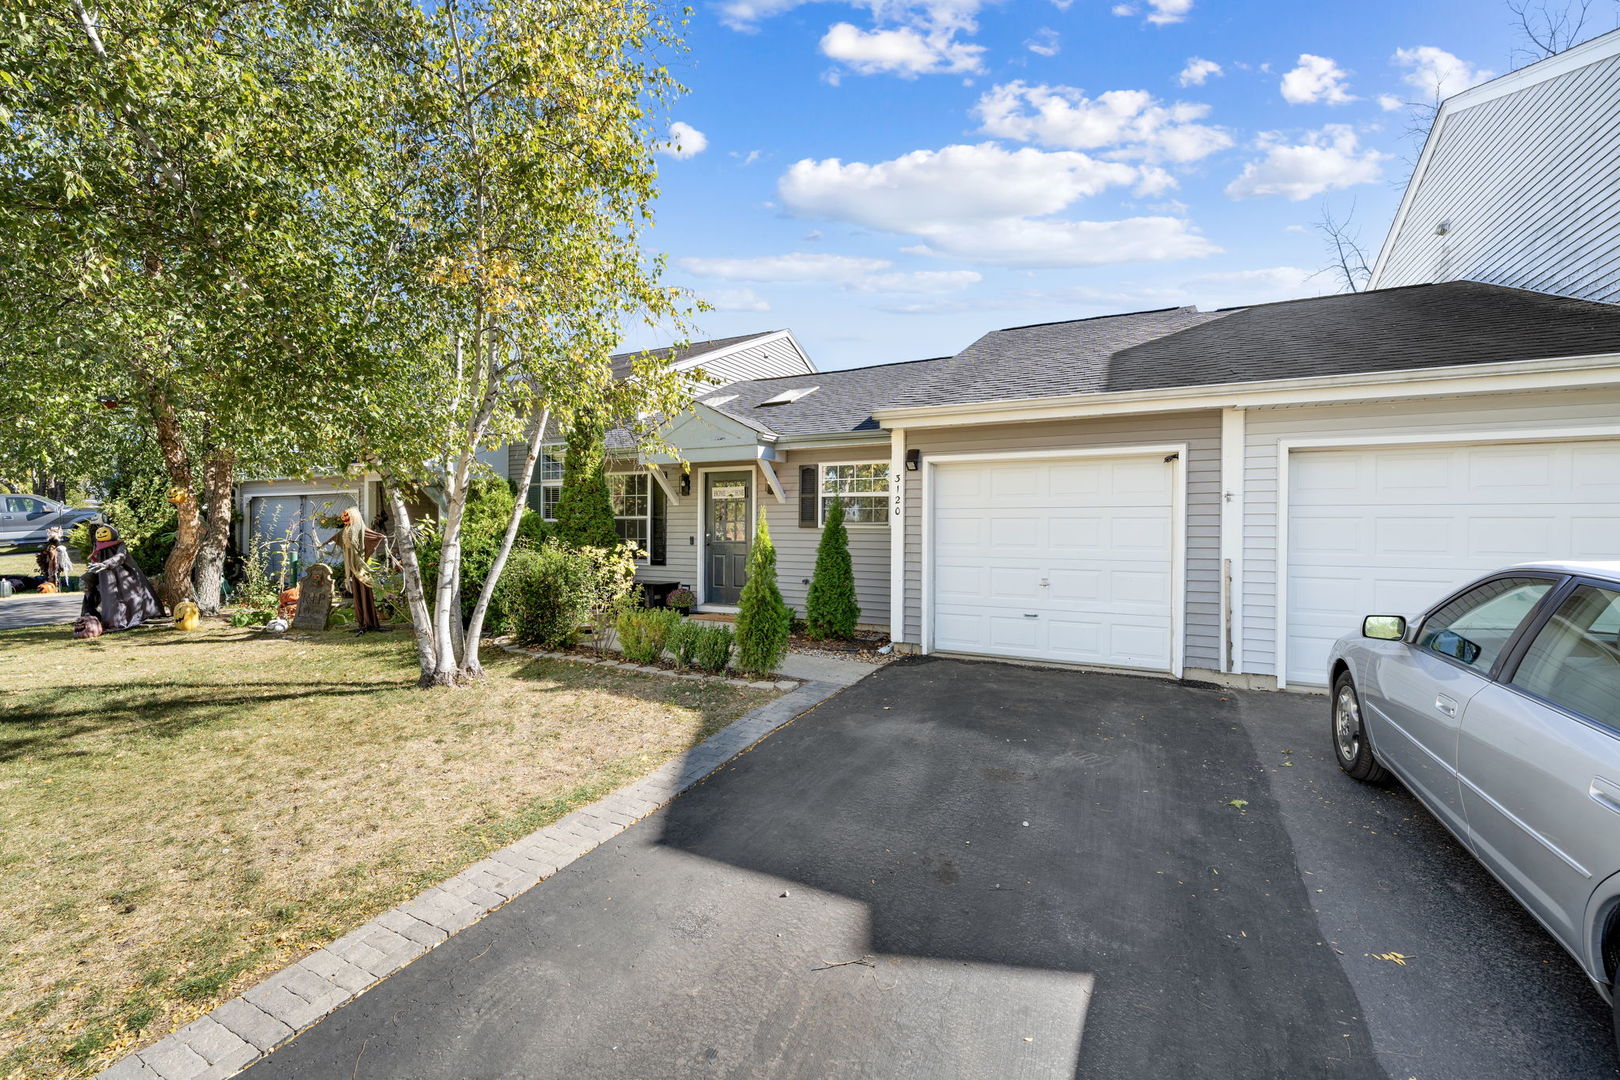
(181,814)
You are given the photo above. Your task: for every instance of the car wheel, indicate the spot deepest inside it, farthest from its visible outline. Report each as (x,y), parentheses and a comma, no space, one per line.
(1350,743)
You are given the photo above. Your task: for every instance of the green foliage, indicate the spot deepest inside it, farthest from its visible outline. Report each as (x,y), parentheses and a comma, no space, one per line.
(483,526)
(681,599)
(763,618)
(644,633)
(584,507)
(614,590)
(712,650)
(533,530)
(830,610)
(682,642)
(546,595)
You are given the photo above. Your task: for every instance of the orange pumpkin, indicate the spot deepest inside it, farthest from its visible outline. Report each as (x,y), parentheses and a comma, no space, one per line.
(287,603)
(47,587)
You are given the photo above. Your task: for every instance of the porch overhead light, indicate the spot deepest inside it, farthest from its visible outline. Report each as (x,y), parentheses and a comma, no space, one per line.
(788,397)
(913,459)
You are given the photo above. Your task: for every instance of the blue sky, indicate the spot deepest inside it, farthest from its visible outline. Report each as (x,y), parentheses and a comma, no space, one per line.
(891,180)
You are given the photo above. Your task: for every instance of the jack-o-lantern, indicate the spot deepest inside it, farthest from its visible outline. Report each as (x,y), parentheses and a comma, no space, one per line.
(186,615)
(47,586)
(287,603)
(178,495)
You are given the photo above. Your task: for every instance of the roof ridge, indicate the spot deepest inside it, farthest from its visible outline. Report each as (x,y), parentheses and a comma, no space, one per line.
(835,371)
(1095,318)
(694,344)
(1374,292)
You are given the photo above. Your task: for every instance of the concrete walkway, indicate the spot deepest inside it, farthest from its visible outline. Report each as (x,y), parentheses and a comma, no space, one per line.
(38,609)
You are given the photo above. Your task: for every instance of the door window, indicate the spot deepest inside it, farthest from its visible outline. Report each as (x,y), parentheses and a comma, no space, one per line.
(1574,662)
(1475,627)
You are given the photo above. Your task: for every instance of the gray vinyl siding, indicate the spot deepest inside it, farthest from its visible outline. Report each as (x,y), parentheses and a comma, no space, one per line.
(1487,416)
(1530,185)
(795,547)
(764,361)
(1201,431)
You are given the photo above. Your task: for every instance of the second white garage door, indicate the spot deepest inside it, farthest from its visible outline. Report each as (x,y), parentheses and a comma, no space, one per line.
(1391,531)
(1071,560)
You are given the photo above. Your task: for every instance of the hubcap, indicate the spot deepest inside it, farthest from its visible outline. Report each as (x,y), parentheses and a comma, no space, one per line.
(1347,724)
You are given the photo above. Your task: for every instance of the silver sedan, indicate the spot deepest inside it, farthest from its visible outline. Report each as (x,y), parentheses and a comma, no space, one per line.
(1500,709)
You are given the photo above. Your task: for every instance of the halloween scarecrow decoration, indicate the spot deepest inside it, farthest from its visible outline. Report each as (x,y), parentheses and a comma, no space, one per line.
(116,593)
(358,544)
(55,562)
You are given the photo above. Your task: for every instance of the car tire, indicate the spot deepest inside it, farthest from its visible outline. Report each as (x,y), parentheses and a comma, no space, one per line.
(1350,746)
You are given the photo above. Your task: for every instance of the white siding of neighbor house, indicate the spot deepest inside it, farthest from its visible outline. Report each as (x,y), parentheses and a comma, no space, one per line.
(1478,417)
(766,360)
(1529,182)
(1201,431)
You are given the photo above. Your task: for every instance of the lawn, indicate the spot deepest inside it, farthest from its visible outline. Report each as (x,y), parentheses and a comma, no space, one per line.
(182,814)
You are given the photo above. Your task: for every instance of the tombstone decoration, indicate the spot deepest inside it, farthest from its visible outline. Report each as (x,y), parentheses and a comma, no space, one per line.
(314,598)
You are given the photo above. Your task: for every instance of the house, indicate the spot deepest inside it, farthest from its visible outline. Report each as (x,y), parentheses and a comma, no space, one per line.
(1215,495)
(1517,183)
(287,513)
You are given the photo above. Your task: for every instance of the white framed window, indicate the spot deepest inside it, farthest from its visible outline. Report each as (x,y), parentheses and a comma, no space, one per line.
(863,487)
(632,509)
(546,488)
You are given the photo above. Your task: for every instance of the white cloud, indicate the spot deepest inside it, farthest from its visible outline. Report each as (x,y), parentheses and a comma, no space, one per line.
(851,272)
(1390,103)
(1316,79)
(1129,123)
(1046,42)
(743,299)
(954,184)
(1327,160)
(1198,71)
(1436,73)
(798,266)
(1160,12)
(1024,242)
(684,141)
(992,205)
(906,51)
(748,158)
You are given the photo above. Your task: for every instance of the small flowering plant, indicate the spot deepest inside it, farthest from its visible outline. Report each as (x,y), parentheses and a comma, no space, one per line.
(682,600)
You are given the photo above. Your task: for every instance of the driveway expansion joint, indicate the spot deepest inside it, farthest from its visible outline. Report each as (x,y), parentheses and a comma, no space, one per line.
(244,1029)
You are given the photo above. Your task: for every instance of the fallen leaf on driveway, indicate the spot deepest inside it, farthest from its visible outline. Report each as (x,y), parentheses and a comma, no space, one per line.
(1238,804)
(1392,957)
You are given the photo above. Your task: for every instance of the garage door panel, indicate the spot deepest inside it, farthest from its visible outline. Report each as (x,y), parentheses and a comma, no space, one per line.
(1431,520)
(1097,531)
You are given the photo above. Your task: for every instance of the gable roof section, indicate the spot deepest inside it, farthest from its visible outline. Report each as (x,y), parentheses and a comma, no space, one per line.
(1388,330)
(843,401)
(686,356)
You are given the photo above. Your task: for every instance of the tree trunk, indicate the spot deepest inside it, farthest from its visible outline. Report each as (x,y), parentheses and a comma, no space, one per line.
(470,666)
(219,469)
(427,656)
(446,618)
(188,530)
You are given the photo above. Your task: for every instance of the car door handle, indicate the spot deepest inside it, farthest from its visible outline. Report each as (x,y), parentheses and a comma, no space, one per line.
(1606,793)
(1446,705)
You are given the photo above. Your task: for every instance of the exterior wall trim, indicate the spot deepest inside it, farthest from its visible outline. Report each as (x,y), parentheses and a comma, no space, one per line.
(1178,518)
(1482,436)
(897,536)
(1233,490)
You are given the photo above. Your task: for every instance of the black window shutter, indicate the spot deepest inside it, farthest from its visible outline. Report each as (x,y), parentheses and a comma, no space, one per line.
(658,540)
(809,497)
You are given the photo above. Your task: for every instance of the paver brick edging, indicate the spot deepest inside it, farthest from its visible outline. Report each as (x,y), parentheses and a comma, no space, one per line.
(242,1030)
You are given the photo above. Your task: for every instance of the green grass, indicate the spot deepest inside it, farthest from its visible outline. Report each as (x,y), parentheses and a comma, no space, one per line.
(181,814)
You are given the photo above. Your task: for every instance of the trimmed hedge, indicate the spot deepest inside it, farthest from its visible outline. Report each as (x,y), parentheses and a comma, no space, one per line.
(546,594)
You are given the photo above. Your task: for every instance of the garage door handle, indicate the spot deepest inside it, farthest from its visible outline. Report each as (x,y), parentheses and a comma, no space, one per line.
(1446,705)
(1031,615)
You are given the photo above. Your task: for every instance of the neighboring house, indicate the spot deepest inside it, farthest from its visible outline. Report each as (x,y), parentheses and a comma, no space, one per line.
(287,514)
(1518,183)
(1213,494)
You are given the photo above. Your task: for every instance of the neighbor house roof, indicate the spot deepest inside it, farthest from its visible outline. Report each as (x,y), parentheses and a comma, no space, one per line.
(677,357)
(1388,330)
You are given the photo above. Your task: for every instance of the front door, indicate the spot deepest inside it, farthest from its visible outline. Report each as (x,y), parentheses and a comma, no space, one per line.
(727,524)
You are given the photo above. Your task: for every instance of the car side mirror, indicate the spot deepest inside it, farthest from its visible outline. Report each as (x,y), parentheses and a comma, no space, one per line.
(1384,627)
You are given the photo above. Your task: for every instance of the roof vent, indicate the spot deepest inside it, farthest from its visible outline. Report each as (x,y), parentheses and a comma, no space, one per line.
(788,397)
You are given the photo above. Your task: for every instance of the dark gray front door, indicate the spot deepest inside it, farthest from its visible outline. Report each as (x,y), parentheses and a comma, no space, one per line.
(727,529)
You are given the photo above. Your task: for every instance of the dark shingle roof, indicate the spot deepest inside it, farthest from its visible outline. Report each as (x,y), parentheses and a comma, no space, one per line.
(1404,329)
(673,356)
(843,400)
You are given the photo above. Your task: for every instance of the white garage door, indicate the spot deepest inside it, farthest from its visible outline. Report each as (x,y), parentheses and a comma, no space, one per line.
(1069,560)
(1391,531)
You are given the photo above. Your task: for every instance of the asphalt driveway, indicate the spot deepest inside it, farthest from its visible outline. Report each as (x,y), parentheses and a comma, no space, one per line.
(981,870)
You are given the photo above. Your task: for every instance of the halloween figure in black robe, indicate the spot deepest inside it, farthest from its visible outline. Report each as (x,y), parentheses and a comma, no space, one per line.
(115,590)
